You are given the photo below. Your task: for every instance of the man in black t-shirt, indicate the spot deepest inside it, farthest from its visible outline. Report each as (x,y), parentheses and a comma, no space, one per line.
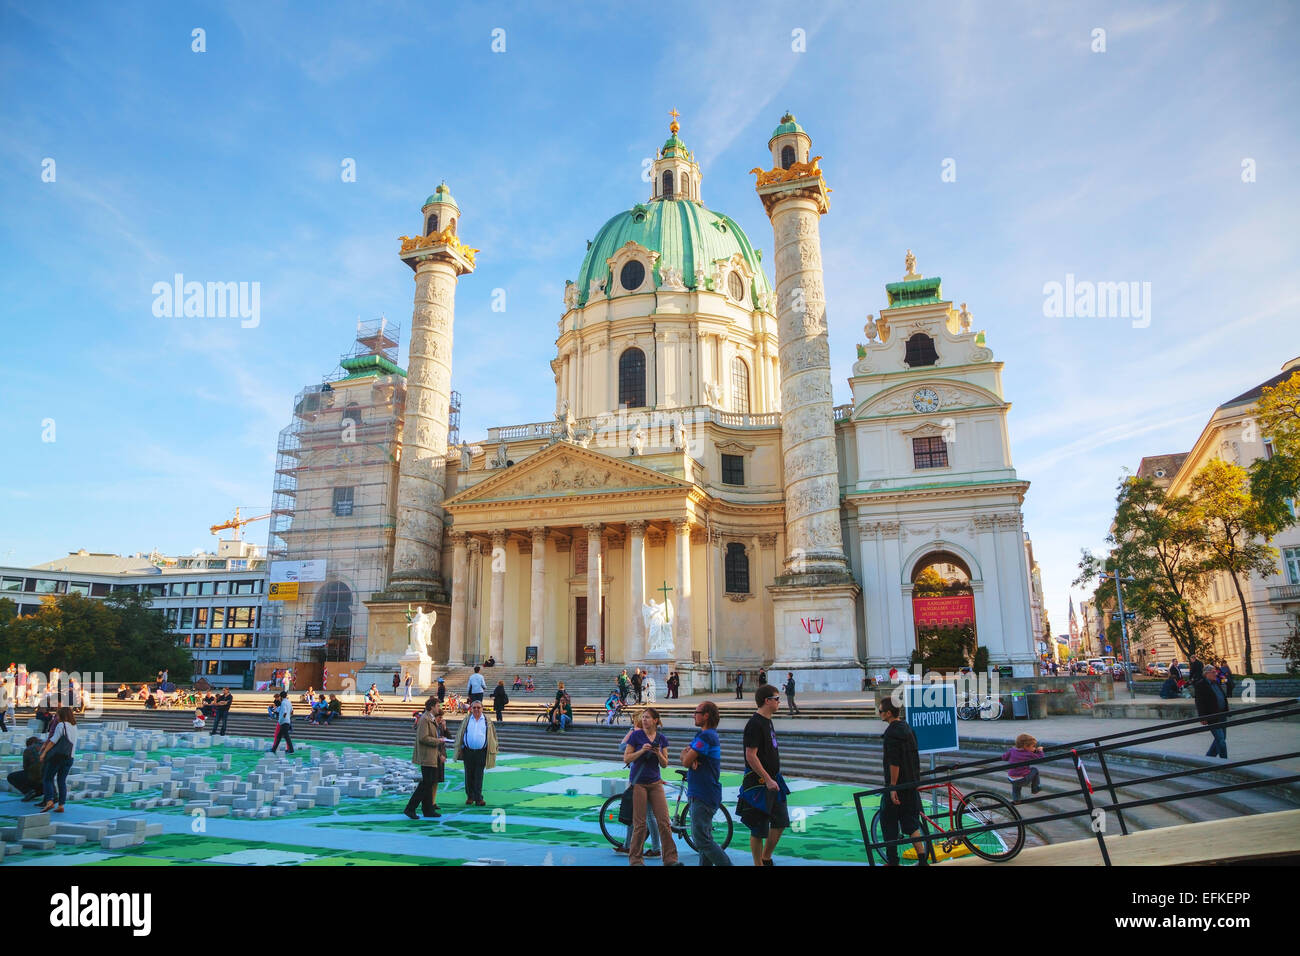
(762,804)
(223,702)
(900,808)
(636,685)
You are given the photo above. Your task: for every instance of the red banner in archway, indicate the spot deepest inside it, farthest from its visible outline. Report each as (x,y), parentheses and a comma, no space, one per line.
(941,612)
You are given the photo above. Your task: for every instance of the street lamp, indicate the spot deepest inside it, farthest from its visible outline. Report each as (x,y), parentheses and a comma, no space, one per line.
(1123,617)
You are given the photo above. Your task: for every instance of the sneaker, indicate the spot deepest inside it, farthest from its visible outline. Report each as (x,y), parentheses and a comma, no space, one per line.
(652,853)
(620,849)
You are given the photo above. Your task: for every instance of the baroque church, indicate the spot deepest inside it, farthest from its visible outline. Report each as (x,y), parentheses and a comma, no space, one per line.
(695,500)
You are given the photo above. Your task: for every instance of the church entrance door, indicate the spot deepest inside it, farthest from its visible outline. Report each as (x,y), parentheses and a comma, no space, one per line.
(580,633)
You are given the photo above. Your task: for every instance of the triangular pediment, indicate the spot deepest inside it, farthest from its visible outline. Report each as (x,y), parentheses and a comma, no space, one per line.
(566,471)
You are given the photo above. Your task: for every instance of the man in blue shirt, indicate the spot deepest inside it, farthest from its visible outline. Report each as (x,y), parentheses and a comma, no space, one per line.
(476,685)
(703,763)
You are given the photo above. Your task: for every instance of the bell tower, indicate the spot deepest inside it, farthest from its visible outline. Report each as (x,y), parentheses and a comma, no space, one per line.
(676,174)
(815,601)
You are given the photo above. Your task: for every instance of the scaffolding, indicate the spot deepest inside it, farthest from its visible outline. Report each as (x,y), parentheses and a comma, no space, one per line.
(334,499)
(453,421)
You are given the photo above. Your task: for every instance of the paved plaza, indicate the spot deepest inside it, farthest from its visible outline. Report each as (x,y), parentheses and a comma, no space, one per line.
(147,798)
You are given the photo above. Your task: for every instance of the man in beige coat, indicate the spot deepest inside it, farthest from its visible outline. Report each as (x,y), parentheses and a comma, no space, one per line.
(476,747)
(430,754)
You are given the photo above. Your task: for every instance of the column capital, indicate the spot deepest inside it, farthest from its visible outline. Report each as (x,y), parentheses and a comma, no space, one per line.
(767,540)
(636,527)
(458,538)
(538,534)
(593,528)
(498,538)
(475,546)
(681,524)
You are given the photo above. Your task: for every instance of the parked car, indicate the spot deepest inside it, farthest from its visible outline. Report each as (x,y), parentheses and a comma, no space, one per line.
(1157,669)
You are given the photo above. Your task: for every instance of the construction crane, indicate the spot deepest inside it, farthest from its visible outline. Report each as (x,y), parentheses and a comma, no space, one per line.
(237,523)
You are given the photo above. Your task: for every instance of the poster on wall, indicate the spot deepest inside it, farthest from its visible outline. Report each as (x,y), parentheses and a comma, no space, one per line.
(942,612)
(304,571)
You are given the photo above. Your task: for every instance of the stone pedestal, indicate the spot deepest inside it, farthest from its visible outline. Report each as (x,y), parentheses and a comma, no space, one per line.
(421,670)
(388,638)
(829,663)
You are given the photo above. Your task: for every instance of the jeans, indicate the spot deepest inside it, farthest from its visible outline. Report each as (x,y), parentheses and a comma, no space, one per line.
(702,833)
(55,779)
(789,701)
(475,763)
(406,696)
(500,713)
(1018,785)
(1220,746)
(219,723)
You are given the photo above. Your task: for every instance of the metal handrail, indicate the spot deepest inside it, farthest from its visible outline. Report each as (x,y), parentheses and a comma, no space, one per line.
(1076,751)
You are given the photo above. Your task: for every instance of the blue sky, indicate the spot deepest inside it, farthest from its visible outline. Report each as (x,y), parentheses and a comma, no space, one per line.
(1123,165)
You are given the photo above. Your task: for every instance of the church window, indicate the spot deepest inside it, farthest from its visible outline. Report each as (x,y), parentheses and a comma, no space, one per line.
(632,275)
(737,569)
(631,378)
(736,286)
(352,413)
(343,502)
(739,386)
(433,224)
(334,609)
(787,157)
(920,351)
(733,469)
(686,186)
(668,184)
(929,453)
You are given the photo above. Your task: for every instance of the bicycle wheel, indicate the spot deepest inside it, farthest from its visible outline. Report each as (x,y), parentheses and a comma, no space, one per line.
(542,719)
(609,824)
(1007,834)
(722,827)
(902,847)
(992,710)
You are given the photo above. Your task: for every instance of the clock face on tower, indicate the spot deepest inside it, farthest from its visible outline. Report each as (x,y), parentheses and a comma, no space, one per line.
(925,400)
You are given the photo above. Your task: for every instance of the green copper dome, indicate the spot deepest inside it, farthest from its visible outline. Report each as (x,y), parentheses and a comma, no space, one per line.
(441,195)
(686,234)
(788,125)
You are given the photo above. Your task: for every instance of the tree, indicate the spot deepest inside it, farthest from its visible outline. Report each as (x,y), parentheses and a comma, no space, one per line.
(1275,481)
(1237,531)
(1156,540)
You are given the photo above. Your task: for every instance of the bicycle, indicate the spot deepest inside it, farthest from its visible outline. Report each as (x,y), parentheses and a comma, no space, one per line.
(679,821)
(621,715)
(990,708)
(980,808)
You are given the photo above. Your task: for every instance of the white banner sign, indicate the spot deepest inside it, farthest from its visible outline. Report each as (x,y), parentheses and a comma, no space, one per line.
(282,571)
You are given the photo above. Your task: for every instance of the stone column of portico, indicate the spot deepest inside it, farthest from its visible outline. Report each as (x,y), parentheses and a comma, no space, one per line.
(537,596)
(497,612)
(459,584)
(635,640)
(682,637)
(593,585)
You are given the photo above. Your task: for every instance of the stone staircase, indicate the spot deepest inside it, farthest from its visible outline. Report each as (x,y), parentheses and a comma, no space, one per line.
(595,681)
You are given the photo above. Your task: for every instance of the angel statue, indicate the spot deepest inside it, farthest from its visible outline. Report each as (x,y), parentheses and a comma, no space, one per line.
(637,444)
(420,629)
(566,420)
(658,630)
(870,329)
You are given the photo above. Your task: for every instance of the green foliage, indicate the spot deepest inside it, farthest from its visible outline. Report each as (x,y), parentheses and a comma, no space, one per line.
(1289,649)
(945,649)
(120,637)
(981,662)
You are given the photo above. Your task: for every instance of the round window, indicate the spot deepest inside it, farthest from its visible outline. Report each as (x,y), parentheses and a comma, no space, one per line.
(632,276)
(736,286)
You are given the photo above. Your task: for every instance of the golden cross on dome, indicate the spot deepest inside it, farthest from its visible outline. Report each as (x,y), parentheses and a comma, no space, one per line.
(674,126)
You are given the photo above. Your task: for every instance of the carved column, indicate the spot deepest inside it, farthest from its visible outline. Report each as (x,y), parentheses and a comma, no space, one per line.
(593,585)
(537,598)
(459,574)
(422,481)
(812,494)
(497,611)
(635,647)
(682,638)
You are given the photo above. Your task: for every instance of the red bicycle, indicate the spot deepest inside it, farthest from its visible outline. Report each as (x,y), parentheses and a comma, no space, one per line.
(960,811)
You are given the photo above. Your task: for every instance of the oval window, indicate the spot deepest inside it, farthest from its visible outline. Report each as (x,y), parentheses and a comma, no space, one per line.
(632,275)
(736,286)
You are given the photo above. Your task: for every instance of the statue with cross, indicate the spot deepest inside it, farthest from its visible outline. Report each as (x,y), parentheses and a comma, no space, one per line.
(658,627)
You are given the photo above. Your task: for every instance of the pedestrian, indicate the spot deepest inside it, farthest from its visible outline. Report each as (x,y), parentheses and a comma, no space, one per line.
(221,708)
(789,692)
(1026,749)
(27,781)
(283,724)
(499,701)
(1211,706)
(900,806)
(430,755)
(740,685)
(476,749)
(442,690)
(636,685)
(703,763)
(6,699)
(648,688)
(762,675)
(59,751)
(1225,679)
(647,753)
(625,815)
(674,682)
(476,685)
(407,684)
(761,805)
(397,681)
(623,684)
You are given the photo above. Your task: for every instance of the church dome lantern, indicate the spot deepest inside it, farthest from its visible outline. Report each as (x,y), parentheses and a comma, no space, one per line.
(440,211)
(789,143)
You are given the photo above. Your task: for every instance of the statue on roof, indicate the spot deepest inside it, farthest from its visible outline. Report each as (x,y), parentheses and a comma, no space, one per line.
(910,262)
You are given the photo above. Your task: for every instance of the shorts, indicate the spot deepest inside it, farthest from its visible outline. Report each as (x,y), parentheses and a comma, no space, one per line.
(759,823)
